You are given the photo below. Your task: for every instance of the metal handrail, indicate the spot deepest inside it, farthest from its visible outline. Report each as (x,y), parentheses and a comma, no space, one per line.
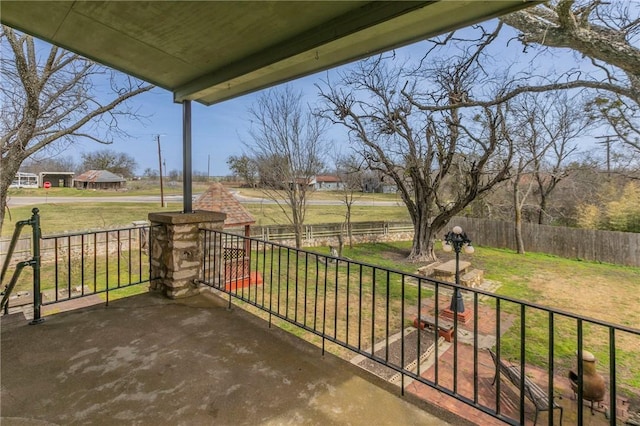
(14,241)
(4,305)
(360,307)
(34,262)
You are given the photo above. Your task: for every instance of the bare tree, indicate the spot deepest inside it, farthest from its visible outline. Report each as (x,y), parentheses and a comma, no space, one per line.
(349,169)
(413,132)
(243,167)
(544,129)
(519,198)
(605,32)
(528,147)
(119,163)
(51,100)
(288,147)
(563,122)
(49,164)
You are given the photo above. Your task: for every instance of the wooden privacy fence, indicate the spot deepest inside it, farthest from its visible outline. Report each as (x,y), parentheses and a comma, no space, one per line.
(621,248)
(315,234)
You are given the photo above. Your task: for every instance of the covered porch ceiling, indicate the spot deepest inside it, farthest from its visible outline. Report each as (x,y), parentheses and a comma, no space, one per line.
(211,51)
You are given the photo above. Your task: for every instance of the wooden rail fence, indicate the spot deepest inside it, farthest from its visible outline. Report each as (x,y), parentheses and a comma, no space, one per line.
(621,248)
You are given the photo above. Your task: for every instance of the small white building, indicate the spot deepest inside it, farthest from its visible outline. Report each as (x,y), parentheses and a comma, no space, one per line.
(24,180)
(57,179)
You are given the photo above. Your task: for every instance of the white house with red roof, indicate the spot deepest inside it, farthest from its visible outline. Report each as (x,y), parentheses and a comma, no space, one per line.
(327,183)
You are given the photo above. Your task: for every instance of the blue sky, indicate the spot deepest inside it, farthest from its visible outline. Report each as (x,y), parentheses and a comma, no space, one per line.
(219,130)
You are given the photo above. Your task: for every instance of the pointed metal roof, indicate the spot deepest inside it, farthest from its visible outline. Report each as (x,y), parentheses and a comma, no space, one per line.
(217,199)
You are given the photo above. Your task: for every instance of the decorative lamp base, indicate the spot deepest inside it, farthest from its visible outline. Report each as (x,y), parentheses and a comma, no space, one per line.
(463,317)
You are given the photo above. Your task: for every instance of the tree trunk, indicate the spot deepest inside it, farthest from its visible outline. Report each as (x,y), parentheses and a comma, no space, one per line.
(542,209)
(518,218)
(423,246)
(9,167)
(348,223)
(3,202)
(298,227)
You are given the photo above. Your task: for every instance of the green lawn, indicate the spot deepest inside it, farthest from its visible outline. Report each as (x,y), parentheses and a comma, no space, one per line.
(601,291)
(67,217)
(323,195)
(329,299)
(271,214)
(132,188)
(72,217)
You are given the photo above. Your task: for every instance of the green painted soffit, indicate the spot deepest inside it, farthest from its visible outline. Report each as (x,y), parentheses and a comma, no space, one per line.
(210,51)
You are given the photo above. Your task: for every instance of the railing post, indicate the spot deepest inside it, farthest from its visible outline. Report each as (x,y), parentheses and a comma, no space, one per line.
(37,298)
(176,250)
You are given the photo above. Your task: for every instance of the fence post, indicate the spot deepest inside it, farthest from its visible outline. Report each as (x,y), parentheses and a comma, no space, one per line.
(37,297)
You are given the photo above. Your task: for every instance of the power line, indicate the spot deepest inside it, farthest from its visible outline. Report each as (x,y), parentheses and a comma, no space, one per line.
(607,142)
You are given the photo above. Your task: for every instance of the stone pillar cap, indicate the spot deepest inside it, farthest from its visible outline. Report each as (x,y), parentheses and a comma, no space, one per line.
(179,218)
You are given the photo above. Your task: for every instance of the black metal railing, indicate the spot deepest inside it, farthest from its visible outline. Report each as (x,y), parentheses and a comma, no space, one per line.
(94,263)
(78,265)
(34,262)
(392,321)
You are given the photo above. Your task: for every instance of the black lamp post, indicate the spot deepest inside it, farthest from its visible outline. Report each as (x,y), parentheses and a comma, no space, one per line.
(456,240)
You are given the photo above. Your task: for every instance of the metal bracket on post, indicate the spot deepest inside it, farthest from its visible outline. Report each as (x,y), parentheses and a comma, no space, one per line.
(37,296)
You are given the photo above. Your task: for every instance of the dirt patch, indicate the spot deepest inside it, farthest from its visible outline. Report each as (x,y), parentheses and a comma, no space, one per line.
(600,297)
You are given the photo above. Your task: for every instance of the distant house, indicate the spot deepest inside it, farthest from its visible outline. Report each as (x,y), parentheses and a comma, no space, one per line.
(99,179)
(327,183)
(318,183)
(302,183)
(389,188)
(57,179)
(24,180)
(377,185)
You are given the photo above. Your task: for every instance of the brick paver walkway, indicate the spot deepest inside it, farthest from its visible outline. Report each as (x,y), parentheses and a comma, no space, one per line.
(486,394)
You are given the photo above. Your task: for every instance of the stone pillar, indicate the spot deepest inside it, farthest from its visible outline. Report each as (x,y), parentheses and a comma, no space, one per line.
(176,250)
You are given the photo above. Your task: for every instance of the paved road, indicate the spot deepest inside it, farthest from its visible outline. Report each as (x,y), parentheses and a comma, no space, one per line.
(254,200)
(28,201)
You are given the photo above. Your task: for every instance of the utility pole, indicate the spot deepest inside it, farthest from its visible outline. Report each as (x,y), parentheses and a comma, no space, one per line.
(160,166)
(607,141)
(208,167)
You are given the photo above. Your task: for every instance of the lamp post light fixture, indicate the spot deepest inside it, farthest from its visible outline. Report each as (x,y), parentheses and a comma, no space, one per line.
(457,240)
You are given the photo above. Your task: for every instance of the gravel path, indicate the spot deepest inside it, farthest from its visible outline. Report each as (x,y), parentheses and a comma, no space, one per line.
(395,352)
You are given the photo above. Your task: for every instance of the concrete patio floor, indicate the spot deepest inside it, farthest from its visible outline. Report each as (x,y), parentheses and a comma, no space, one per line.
(150,360)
